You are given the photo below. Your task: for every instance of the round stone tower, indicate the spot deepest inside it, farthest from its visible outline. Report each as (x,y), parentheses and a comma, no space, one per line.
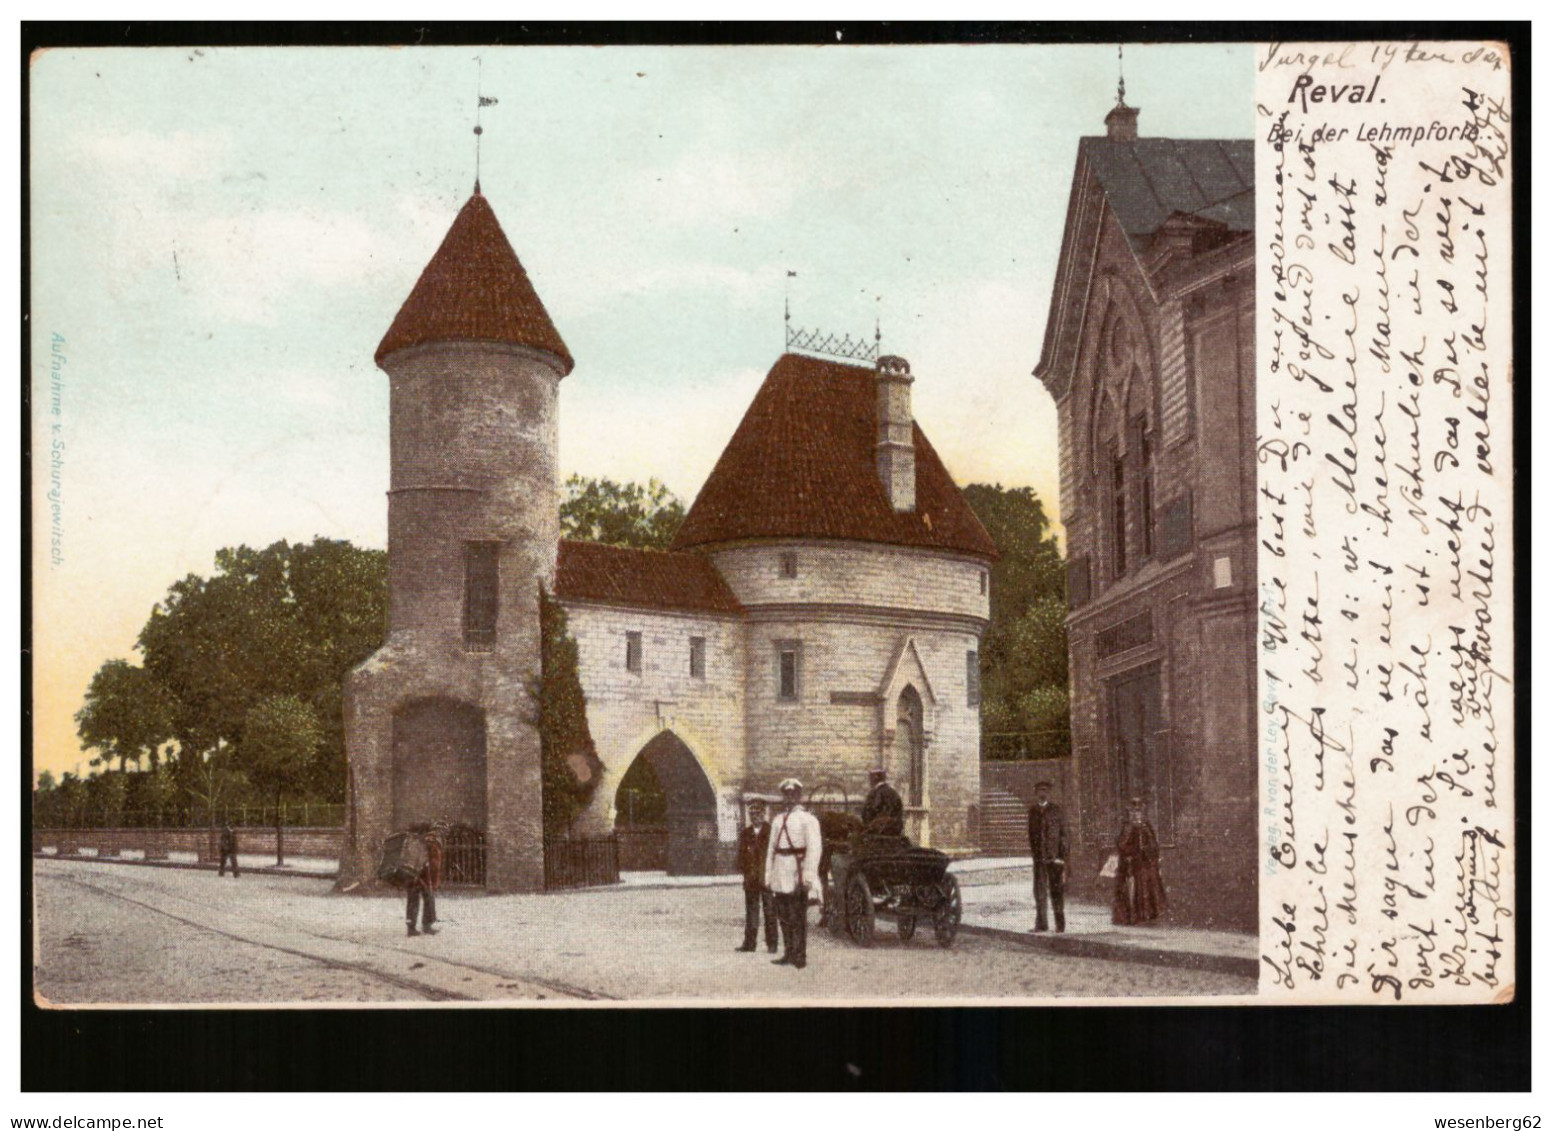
(437,721)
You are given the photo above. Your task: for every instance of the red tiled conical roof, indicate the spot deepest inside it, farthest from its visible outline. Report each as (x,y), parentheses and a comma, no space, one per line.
(802,465)
(474,289)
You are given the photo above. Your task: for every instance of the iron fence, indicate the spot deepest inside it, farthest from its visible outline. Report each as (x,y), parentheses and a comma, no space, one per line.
(304,814)
(581,863)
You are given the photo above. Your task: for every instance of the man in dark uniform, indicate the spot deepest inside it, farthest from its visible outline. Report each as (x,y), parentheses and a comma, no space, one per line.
(883,813)
(423,857)
(753,840)
(1048,847)
(228,851)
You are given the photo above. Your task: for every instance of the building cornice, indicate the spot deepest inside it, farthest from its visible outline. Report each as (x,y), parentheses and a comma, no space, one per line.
(811,543)
(648,610)
(866,614)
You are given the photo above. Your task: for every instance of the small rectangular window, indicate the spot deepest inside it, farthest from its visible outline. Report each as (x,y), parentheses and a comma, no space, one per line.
(481,593)
(983,582)
(698,657)
(973,678)
(789,564)
(787,671)
(633,652)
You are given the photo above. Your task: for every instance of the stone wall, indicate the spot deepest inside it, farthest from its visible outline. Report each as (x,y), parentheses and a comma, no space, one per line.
(856,573)
(156,844)
(625,709)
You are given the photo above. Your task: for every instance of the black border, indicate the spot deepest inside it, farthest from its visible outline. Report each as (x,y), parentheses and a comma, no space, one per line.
(1198,1048)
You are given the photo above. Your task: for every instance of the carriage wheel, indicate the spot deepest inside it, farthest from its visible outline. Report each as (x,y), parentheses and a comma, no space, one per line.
(907,925)
(834,912)
(859,911)
(945,923)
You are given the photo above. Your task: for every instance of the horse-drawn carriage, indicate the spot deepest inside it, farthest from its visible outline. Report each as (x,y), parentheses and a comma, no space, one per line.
(879,876)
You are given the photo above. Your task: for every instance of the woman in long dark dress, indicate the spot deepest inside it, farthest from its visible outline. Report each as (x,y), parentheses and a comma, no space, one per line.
(1139,890)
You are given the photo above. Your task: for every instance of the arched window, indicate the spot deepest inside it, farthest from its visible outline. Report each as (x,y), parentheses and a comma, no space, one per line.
(909,747)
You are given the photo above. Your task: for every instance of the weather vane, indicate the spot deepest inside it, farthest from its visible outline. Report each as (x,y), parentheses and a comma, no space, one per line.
(1120,77)
(481,100)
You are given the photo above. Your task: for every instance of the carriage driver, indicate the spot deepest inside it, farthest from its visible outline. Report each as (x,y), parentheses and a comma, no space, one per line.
(792,872)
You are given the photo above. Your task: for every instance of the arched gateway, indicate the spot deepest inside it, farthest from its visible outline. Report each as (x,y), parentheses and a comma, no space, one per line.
(667,808)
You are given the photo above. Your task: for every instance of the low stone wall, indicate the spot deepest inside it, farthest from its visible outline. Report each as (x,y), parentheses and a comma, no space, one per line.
(157,844)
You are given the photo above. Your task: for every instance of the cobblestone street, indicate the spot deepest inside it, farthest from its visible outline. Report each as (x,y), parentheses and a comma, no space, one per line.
(111,933)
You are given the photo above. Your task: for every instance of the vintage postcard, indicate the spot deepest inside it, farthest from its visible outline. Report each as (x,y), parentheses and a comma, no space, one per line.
(772,525)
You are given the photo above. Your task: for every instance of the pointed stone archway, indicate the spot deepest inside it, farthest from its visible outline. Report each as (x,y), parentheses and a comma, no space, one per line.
(665,789)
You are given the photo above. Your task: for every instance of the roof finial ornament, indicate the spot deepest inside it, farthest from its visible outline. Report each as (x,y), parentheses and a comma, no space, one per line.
(480,102)
(1120,77)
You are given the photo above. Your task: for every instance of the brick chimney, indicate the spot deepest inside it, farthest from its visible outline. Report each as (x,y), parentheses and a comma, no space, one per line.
(1121,123)
(896,447)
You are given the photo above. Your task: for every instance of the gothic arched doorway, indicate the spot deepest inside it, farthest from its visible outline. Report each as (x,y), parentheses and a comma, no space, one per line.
(910,753)
(666,811)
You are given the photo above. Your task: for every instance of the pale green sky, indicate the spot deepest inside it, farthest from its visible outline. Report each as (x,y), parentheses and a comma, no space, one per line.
(222,236)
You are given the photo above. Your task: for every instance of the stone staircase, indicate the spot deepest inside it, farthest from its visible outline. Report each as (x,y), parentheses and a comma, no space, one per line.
(1004,823)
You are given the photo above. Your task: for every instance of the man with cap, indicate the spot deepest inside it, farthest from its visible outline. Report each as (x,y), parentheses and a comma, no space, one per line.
(754,841)
(1048,847)
(883,813)
(792,871)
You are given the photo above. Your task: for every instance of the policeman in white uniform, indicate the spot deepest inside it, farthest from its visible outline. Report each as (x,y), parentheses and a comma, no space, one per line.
(792,872)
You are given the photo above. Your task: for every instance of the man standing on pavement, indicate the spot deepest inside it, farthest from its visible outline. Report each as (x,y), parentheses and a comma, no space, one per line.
(883,813)
(1048,847)
(423,857)
(792,871)
(754,841)
(228,851)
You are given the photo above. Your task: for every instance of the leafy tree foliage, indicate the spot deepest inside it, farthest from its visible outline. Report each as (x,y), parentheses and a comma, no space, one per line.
(280,737)
(620,514)
(570,763)
(1024,650)
(288,620)
(127,715)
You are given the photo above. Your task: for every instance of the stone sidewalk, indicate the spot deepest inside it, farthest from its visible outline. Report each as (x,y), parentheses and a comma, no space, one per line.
(999,900)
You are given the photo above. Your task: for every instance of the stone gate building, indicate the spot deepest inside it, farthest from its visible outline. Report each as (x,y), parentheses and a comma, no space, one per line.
(1149,354)
(821,610)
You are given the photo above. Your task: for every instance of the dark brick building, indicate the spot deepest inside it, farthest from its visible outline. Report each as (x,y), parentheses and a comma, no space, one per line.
(1149,353)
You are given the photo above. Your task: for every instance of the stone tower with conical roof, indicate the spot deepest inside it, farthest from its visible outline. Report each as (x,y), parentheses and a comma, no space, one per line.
(437,721)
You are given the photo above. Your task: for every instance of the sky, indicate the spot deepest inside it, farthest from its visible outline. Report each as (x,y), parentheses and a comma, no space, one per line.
(220,238)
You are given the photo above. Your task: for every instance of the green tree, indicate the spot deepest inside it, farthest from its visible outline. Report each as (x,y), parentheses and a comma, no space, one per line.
(569,761)
(68,801)
(280,737)
(287,620)
(45,801)
(620,514)
(127,715)
(1024,649)
(105,794)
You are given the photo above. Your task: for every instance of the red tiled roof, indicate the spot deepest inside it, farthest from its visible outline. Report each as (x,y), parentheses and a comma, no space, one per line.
(643,579)
(802,465)
(474,289)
